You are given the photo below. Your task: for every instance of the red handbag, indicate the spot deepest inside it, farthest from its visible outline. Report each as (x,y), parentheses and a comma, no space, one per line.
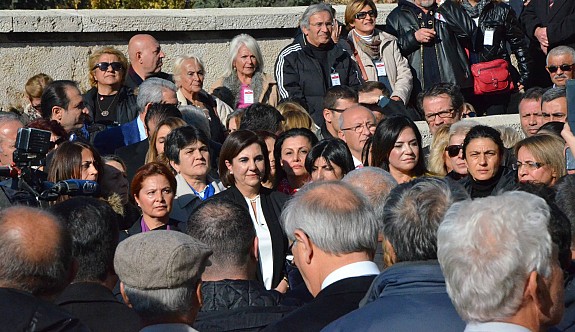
(491,77)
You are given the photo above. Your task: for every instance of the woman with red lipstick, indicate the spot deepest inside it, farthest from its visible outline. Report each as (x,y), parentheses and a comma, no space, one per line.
(290,151)
(396,147)
(153,189)
(376,52)
(243,166)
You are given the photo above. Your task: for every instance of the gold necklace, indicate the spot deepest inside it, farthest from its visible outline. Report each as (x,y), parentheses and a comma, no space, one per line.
(105,112)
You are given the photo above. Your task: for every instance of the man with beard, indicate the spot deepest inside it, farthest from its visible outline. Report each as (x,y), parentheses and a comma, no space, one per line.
(430,37)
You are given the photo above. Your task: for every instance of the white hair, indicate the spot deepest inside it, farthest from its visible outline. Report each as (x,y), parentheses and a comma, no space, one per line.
(560,50)
(160,303)
(339,223)
(488,247)
(462,127)
(251,44)
(178,66)
(150,91)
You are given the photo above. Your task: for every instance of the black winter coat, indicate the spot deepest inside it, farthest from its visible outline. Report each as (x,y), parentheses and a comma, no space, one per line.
(500,17)
(452,26)
(127,108)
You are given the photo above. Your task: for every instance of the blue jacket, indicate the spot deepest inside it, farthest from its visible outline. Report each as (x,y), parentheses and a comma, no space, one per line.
(409,296)
(107,141)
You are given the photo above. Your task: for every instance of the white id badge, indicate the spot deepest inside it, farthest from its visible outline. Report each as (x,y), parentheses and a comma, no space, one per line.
(248,96)
(335,79)
(488,37)
(380,67)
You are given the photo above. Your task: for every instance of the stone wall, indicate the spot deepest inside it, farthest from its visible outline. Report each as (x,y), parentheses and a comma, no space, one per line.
(58,42)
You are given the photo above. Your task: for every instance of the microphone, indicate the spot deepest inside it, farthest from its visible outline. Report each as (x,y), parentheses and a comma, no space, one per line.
(75,187)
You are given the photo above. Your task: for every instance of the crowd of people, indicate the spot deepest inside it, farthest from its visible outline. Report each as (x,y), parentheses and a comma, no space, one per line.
(304,199)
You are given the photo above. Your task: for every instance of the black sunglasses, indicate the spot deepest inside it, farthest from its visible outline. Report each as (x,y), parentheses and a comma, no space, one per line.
(563,67)
(103,66)
(453,150)
(361,15)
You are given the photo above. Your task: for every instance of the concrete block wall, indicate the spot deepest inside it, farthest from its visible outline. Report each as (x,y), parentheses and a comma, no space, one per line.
(58,42)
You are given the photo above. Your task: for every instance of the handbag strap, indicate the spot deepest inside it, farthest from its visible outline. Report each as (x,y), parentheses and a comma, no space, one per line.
(358,59)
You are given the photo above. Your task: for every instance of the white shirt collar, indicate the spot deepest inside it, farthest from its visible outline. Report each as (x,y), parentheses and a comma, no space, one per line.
(358,269)
(356,162)
(495,327)
(141,128)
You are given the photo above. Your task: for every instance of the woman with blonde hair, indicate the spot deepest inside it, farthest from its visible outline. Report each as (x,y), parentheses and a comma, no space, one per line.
(33,90)
(438,162)
(156,150)
(244,75)
(540,159)
(109,101)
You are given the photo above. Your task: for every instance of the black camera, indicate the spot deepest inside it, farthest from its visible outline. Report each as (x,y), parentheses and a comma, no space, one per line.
(32,145)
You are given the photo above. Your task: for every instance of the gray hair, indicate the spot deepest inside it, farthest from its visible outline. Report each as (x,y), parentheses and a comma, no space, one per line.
(560,50)
(412,214)
(552,94)
(195,116)
(235,45)
(178,66)
(153,304)
(488,247)
(6,117)
(375,183)
(150,91)
(462,127)
(334,215)
(312,10)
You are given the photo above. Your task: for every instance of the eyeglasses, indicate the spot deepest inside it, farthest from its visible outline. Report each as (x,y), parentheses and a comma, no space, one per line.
(453,150)
(443,114)
(320,24)
(103,66)
(361,15)
(359,128)
(339,110)
(563,67)
(531,165)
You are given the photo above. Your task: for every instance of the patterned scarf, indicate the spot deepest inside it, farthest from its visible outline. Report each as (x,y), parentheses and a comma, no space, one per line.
(472,11)
(371,49)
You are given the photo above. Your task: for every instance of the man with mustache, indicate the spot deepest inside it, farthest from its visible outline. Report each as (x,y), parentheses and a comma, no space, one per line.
(560,61)
(430,37)
(146,56)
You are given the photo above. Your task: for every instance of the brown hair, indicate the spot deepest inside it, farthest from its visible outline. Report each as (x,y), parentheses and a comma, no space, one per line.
(153,154)
(235,143)
(151,169)
(547,149)
(93,59)
(67,161)
(36,84)
(355,7)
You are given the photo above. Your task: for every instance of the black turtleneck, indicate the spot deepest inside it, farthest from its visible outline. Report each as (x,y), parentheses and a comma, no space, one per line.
(320,54)
(484,188)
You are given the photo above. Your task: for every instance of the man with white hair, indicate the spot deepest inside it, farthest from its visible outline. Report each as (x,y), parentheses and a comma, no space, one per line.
(160,277)
(501,267)
(9,125)
(559,65)
(333,232)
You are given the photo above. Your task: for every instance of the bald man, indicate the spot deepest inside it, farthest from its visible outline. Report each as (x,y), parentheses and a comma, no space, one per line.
(356,125)
(36,267)
(146,56)
(9,125)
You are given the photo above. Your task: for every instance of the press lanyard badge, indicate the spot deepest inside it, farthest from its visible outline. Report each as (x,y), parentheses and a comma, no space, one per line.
(380,67)
(335,79)
(488,37)
(248,96)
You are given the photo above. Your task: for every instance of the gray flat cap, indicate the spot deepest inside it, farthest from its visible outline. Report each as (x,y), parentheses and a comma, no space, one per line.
(160,259)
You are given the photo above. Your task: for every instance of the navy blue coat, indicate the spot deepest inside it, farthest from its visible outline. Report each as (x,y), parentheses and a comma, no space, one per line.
(408,296)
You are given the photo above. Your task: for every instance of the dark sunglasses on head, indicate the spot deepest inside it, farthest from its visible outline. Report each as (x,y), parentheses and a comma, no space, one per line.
(453,150)
(103,66)
(563,67)
(361,15)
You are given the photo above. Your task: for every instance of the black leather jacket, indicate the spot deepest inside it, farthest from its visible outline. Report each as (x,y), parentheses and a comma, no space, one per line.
(127,106)
(453,27)
(500,17)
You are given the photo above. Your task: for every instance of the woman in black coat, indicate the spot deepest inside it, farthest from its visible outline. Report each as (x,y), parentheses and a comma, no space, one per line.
(243,166)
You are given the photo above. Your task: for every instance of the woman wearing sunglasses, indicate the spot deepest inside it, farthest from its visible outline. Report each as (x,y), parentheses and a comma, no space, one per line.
(376,52)
(109,101)
(454,149)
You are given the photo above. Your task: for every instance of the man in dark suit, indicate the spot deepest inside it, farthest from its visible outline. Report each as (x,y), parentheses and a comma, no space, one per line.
(146,60)
(154,90)
(93,226)
(337,269)
(548,24)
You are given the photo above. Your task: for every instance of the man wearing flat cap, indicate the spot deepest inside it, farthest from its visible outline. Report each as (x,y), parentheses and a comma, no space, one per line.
(160,274)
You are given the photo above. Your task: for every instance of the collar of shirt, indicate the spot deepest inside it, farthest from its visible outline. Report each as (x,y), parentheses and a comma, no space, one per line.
(495,326)
(356,162)
(141,128)
(359,269)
